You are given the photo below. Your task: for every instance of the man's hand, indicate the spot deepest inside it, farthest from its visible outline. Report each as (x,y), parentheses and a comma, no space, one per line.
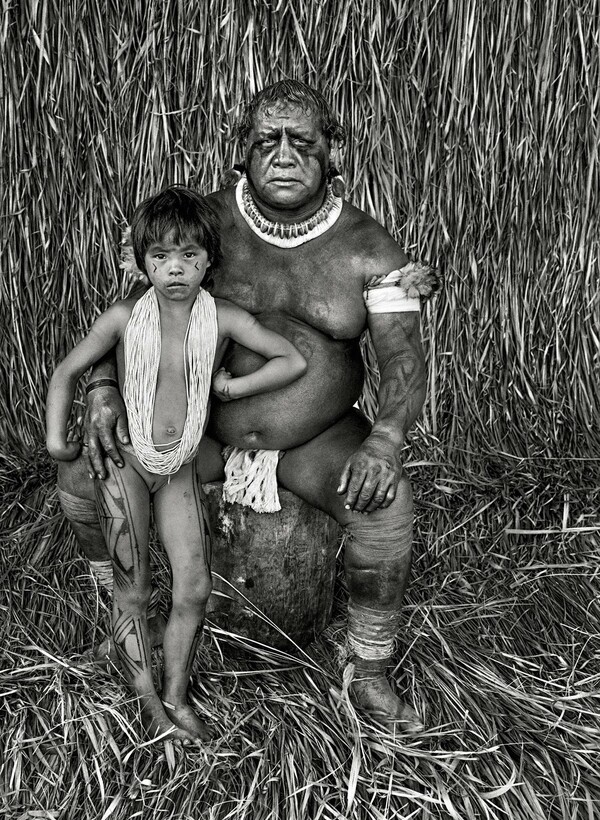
(370,476)
(105,416)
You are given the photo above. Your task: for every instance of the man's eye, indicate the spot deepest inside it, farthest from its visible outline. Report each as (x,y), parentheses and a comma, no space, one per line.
(268,143)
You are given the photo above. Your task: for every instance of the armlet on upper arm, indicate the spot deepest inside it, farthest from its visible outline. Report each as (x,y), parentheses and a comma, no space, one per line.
(401,290)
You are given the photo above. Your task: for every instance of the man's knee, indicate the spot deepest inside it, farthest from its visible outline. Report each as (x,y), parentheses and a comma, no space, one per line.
(378,552)
(385,533)
(73,478)
(76,496)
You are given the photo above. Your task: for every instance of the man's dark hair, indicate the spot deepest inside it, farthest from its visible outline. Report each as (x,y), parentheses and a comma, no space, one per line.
(295,93)
(178,211)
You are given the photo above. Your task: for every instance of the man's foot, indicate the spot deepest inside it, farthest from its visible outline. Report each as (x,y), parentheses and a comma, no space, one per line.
(186,718)
(158,724)
(371,690)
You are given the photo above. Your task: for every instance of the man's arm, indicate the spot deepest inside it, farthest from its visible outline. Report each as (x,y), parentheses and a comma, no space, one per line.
(105,415)
(103,336)
(370,476)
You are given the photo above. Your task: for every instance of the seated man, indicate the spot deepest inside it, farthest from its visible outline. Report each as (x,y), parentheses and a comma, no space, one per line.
(319,271)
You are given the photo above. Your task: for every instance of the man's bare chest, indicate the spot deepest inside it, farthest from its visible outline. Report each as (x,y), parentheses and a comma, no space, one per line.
(317,289)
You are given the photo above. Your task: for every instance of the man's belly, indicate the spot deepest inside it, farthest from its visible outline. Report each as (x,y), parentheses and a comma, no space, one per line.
(297,413)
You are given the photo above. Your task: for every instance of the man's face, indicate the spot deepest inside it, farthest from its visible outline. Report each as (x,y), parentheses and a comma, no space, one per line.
(287,158)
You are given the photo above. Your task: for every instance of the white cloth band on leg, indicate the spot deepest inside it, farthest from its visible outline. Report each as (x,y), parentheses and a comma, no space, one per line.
(103,573)
(371,632)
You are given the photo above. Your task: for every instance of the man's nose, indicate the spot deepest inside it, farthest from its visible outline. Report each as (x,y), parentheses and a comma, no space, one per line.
(284,153)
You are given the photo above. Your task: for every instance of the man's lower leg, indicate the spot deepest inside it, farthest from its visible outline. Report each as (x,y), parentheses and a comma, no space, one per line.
(378,555)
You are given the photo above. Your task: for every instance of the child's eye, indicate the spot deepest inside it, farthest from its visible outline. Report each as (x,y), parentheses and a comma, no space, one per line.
(159,256)
(189,254)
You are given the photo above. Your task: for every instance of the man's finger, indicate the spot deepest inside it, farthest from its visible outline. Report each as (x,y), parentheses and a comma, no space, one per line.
(95,458)
(367,492)
(110,448)
(384,494)
(344,478)
(122,429)
(85,455)
(354,488)
(389,496)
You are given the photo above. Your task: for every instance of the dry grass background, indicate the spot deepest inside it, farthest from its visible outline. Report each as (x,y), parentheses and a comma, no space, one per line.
(473,135)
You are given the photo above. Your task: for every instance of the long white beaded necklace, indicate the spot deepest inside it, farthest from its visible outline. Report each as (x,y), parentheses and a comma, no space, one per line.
(142,345)
(287,235)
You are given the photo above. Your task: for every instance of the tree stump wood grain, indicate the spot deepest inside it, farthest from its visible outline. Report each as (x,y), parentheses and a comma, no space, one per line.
(281,564)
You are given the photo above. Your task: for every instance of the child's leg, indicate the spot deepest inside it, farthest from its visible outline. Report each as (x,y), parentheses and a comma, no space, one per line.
(123,500)
(184,530)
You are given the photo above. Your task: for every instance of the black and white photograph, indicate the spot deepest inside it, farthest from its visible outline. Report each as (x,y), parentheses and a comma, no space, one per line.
(299,410)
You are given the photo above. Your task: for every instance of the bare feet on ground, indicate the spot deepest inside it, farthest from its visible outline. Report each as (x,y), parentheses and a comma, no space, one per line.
(157,723)
(371,690)
(186,718)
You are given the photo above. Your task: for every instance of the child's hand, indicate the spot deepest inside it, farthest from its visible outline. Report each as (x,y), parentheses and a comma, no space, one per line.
(220,384)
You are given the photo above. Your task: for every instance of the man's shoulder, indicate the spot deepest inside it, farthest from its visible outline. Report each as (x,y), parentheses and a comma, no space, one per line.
(370,243)
(223,202)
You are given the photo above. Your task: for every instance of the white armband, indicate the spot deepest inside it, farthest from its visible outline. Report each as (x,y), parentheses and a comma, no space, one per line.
(400,290)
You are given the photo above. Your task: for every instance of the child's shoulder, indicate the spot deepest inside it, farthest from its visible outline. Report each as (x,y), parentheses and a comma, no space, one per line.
(227,308)
(118,313)
(122,308)
(229,313)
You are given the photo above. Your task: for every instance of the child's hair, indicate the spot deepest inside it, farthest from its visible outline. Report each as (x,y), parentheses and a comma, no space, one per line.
(179,211)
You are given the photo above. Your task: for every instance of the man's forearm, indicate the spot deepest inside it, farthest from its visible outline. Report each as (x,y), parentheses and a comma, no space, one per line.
(402,385)
(105,368)
(401,396)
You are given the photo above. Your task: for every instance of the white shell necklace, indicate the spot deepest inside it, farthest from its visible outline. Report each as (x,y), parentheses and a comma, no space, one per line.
(287,235)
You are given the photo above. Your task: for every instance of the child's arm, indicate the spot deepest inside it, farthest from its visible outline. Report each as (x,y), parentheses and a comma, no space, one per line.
(285,363)
(103,335)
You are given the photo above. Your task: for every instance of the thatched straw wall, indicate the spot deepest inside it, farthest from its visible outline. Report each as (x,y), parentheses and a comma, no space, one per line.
(473,135)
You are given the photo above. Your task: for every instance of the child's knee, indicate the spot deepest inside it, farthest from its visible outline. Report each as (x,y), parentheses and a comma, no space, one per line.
(133,599)
(193,592)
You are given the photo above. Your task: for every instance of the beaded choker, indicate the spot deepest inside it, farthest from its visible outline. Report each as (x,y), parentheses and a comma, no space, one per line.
(294,234)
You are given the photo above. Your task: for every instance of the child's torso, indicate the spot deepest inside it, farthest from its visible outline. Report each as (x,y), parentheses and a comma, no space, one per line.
(170,407)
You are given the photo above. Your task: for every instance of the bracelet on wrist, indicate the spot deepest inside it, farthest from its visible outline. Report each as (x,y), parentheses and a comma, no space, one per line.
(101,383)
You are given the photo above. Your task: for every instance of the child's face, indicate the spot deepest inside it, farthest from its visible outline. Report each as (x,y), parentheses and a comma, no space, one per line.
(176,269)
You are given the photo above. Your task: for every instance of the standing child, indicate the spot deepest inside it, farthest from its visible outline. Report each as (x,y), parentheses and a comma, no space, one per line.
(169,344)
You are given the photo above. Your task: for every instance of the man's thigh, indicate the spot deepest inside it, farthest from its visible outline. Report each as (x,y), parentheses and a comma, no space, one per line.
(312,471)
(209,461)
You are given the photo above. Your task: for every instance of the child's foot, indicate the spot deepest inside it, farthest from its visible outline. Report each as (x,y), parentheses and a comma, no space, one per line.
(157,724)
(186,718)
